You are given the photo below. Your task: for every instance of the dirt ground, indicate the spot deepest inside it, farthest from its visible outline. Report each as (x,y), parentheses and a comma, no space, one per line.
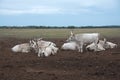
(65,65)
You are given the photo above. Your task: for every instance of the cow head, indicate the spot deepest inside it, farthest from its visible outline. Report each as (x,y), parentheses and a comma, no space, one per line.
(34,45)
(46,51)
(72,37)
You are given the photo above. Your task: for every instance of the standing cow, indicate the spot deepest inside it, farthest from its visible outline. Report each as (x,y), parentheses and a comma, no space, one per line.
(85,38)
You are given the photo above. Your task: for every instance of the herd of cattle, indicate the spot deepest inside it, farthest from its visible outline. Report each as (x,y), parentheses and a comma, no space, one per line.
(91,41)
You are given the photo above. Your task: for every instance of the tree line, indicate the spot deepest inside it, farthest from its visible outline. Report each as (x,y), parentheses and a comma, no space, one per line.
(56,27)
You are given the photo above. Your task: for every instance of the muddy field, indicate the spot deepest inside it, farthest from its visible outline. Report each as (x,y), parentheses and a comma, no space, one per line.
(65,65)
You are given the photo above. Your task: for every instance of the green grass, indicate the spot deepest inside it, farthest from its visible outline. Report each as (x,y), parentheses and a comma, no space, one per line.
(56,33)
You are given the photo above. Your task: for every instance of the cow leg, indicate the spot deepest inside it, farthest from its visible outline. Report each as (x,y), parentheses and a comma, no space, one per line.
(78,47)
(39,53)
(81,48)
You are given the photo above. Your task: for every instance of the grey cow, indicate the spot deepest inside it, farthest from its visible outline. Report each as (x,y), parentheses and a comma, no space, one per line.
(84,38)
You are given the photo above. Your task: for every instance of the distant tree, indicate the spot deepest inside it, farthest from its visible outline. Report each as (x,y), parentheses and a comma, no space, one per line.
(71,27)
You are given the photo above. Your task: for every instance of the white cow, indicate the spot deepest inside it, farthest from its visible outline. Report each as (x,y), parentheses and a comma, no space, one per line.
(106,44)
(85,38)
(69,46)
(39,42)
(110,45)
(24,48)
(92,47)
(43,47)
(50,49)
(102,45)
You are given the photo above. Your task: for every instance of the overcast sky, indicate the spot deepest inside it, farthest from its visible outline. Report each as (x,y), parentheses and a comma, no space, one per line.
(59,12)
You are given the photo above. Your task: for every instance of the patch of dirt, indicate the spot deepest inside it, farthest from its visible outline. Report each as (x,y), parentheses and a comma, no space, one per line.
(65,65)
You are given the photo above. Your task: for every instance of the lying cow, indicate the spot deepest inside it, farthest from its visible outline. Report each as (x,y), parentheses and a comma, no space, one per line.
(69,46)
(43,48)
(39,42)
(107,44)
(85,38)
(50,49)
(102,45)
(92,47)
(24,48)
